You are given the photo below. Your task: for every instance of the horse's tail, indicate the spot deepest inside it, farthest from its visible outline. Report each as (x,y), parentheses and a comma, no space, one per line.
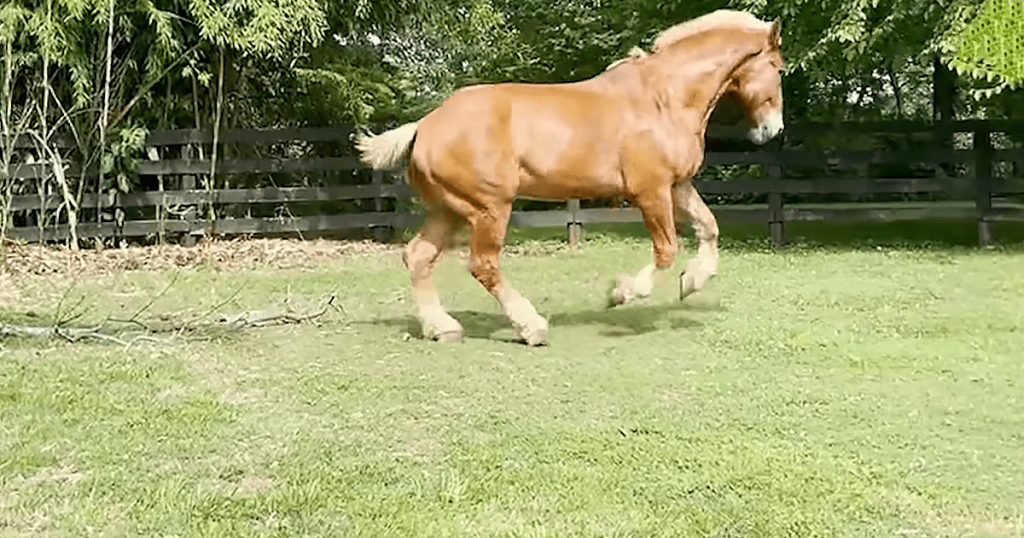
(387,149)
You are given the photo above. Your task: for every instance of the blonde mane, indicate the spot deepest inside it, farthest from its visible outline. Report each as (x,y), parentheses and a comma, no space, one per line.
(674,34)
(634,53)
(722,17)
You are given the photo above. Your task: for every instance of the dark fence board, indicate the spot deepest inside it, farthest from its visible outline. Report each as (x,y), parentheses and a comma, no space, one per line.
(29,142)
(834,186)
(178,137)
(1008,155)
(303,224)
(557,218)
(132,228)
(308,194)
(40,170)
(836,158)
(1007,186)
(219,196)
(903,127)
(770,157)
(401,190)
(249,166)
(879,212)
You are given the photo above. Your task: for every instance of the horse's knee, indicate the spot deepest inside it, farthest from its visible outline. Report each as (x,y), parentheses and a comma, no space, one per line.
(419,257)
(708,231)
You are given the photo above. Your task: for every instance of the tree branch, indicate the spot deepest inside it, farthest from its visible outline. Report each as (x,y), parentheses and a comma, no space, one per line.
(895,89)
(260,318)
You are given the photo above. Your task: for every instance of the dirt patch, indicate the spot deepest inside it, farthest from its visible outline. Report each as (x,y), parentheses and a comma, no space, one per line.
(9,293)
(63,474)
(32,259)
(239,486)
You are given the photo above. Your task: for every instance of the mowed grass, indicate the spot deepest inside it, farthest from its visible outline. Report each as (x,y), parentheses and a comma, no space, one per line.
(809,392)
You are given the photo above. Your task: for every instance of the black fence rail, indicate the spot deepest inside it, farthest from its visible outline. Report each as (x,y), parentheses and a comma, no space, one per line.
(284,181)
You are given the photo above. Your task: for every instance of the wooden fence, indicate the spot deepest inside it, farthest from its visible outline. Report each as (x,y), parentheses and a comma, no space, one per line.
(176,190)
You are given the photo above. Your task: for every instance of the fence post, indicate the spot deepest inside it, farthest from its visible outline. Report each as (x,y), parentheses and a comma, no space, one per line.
(188,183)
(160,211)
(119,217)
(381,234)
(776,218)
(983,183)
(575,227)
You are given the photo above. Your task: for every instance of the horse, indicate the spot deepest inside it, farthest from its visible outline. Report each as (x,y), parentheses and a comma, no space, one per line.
(634,131)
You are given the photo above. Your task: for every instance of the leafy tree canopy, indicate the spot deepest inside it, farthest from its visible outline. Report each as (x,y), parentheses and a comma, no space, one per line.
(990,46)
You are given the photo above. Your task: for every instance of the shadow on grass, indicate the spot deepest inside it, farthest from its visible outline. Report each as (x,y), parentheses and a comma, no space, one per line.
(617,322)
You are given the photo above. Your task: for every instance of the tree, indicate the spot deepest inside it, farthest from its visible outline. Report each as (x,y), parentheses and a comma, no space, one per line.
(989,46)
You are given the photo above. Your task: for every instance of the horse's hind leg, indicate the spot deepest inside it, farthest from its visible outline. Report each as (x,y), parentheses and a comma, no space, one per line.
(488,233)
(421,257)
(704,266)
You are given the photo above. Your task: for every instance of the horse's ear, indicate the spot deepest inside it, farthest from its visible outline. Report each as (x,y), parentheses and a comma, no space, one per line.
(775,34)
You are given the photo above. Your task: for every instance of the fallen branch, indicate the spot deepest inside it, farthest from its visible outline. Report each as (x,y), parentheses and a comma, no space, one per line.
(257,318)
(241,321)
(29,331)
(72,335)
(96,335)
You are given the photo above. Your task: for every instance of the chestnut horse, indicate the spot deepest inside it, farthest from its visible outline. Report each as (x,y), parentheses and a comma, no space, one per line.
(634,131)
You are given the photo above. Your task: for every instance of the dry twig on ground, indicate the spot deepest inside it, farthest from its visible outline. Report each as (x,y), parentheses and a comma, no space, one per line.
(258,318)
(142,331)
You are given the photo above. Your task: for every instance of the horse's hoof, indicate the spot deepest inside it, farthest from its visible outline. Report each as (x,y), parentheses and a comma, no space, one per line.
(622,292)
(689,287)
(447,337)
(685,288)
(537,338)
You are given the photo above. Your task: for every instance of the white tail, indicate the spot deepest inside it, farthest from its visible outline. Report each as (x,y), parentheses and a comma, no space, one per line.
(387,149)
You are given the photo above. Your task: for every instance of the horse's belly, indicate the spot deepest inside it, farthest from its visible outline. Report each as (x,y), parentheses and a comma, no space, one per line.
(557,170)
(554,185)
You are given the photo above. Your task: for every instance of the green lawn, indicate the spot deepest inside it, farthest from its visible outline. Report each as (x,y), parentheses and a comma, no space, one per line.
(844,391)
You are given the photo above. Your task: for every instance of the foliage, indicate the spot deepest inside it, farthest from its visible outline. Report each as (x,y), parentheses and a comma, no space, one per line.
(297,61)
(119,160)
(991,47)
(261,28)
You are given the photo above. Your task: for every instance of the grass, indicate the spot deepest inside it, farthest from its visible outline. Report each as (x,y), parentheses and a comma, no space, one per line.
(844,390)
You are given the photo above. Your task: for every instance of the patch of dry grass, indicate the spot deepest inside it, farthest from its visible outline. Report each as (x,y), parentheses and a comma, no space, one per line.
(35,259)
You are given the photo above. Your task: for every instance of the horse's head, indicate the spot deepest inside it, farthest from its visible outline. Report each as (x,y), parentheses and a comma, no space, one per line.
(757,87)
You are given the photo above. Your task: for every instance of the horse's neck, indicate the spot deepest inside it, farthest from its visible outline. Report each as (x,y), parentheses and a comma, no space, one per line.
(696,79)
(686,81)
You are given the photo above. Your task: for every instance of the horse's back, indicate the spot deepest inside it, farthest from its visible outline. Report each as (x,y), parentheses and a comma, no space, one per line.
(547,141)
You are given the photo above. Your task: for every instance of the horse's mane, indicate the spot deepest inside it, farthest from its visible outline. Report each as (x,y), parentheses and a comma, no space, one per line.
(633,54)
(722,17)
(715,19)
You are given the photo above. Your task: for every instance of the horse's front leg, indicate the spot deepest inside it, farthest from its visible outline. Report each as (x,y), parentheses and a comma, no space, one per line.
(704,266)
(656,208)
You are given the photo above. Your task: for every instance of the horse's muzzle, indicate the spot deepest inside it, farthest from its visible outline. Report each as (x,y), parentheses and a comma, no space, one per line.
(769,129)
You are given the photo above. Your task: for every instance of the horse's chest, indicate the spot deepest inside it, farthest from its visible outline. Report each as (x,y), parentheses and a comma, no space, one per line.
(656,152)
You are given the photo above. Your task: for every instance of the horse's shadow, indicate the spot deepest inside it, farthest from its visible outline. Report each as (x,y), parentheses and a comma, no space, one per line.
(631,320)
